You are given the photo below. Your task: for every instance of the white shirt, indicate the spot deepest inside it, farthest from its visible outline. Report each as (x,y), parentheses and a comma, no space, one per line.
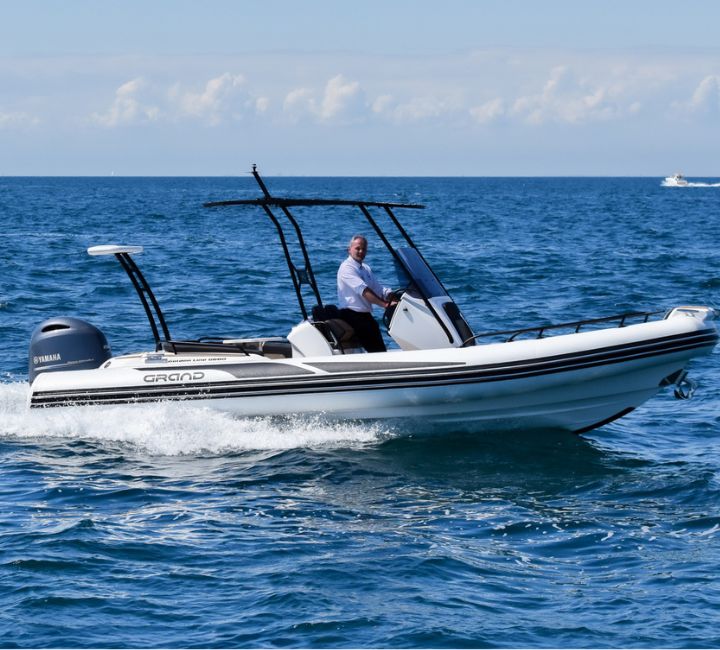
(352,279)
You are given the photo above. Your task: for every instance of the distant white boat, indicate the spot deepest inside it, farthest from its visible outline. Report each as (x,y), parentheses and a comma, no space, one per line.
(676,180)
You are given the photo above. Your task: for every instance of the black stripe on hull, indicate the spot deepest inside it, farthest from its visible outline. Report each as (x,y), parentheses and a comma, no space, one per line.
(428,377)
(602,423)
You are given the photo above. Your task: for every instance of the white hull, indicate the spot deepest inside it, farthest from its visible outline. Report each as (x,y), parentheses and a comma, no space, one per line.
(572,382)
(675,181)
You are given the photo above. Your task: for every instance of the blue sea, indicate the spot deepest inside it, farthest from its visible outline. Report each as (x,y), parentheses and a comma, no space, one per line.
(170,525)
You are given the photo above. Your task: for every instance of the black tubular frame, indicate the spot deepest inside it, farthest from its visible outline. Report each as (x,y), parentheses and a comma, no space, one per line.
(154,313)
(297,280)
(268,201)
(397,258)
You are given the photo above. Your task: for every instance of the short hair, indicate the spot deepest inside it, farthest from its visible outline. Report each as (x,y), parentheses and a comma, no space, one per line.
(354,237)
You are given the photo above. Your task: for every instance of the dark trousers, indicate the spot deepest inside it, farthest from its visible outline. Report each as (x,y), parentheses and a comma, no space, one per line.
(366,329)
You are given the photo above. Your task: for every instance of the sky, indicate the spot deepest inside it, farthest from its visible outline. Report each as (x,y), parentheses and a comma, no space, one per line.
(371,88)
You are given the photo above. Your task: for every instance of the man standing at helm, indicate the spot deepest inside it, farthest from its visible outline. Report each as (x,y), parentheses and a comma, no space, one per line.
(358,290)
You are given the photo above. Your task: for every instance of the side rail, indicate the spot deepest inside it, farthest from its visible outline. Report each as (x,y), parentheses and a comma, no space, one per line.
(627,318)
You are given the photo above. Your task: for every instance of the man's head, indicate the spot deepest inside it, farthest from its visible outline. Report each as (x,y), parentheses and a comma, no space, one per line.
(358,248)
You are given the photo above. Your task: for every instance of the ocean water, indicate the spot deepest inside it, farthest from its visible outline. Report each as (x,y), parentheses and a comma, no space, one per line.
(172,526)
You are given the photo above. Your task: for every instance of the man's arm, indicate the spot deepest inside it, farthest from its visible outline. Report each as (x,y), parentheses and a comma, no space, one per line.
(372,297)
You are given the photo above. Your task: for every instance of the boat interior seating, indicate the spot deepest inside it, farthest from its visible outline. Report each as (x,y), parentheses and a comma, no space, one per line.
(338,332)
(267,347)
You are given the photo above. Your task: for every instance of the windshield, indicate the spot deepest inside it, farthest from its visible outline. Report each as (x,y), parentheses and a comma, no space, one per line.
(422,280)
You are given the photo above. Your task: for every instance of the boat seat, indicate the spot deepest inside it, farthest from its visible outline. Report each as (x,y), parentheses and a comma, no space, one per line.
(186,347)
(338,332)
(276,349)
(271,347)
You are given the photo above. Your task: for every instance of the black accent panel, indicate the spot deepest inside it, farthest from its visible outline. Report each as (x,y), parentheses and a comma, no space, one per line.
(272,369)
(602,423)
(463,329)
(369,366)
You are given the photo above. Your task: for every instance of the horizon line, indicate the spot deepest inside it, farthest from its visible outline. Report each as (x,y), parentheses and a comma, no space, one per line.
(282,175)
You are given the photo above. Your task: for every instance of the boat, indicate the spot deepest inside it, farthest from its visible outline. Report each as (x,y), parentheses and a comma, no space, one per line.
(676,180)
(440,376)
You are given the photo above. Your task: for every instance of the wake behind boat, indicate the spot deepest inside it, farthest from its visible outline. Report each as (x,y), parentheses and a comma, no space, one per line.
(573,376)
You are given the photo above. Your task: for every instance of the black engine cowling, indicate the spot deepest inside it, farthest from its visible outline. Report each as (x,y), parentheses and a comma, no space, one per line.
(66,344)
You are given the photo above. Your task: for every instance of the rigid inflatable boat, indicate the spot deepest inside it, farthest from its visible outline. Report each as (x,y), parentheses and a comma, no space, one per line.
(571,376)
(676,180)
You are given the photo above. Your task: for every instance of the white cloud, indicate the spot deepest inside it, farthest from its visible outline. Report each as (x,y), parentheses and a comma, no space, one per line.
(420,108)
(262,104)
(704,102)
(382,104)
(499,88)
(17,119)
(706,98)
(342,101)
(380,97)
(300,103)
(223,97)
(128,108)
(566,98)
(489,111)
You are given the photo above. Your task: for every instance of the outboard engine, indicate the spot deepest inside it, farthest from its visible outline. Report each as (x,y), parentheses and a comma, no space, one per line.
(66,344)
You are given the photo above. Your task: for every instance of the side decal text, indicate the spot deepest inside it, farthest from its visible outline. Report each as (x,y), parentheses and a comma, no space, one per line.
(162,377)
